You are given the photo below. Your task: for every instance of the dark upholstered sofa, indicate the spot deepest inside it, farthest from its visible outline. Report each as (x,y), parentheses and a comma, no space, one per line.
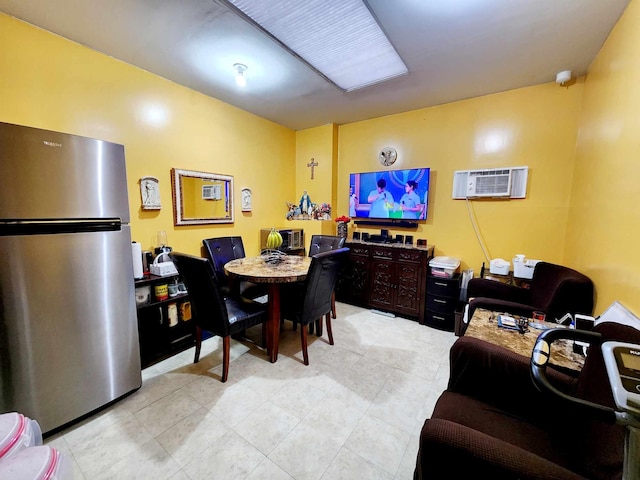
(555,290)
(491,422)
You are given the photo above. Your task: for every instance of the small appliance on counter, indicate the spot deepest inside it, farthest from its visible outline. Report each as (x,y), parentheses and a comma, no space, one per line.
(292,240)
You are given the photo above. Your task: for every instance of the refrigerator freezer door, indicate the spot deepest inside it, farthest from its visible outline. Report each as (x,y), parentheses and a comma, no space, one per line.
(68,328)
(56,175)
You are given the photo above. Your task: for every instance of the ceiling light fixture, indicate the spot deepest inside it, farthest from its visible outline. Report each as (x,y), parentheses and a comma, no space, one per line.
(342,41)
(241,80)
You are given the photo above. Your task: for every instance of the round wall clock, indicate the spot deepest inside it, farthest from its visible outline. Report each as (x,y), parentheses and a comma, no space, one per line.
(388,156)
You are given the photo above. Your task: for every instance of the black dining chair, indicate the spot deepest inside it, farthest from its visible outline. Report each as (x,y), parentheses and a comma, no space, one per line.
(221,250)
(309,301)
(326,243)
(213,312)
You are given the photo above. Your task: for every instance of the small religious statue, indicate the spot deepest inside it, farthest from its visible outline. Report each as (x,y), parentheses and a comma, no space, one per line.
(150,193)
(305,203)
(246,200)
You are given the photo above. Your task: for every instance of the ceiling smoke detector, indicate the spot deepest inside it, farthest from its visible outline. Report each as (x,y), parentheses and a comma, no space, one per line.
(563,77)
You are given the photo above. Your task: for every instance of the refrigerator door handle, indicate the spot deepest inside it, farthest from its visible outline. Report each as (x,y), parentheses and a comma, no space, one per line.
(52,227)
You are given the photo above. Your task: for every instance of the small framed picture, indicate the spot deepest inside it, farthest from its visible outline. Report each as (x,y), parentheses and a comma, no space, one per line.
(246,200)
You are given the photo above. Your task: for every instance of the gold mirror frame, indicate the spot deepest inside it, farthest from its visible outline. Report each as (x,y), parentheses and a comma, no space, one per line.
(195,194)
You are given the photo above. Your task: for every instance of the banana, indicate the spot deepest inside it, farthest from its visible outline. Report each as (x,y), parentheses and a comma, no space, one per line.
(274,239)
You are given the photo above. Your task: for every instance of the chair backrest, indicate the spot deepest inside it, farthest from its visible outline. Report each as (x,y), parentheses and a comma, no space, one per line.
(320,282)
(557,290)
(207,300)
(324,243)
(222,250)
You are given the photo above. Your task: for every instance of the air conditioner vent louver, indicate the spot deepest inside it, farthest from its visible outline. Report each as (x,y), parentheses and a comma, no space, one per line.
(497,182)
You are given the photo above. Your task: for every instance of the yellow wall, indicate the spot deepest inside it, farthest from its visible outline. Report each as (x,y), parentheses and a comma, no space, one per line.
(320,144)
(580,207)
(534,127)
(52,83)
(604,221)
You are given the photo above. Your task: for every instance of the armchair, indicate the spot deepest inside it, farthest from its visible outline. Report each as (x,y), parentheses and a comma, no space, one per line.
(491,422)
(555,290)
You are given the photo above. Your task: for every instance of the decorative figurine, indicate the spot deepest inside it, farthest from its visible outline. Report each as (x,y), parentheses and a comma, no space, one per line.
(150,193)
(246,200)
(305,203)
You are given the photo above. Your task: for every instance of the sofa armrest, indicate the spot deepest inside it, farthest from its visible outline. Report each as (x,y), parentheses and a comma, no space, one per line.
(482,287)
(500,377)
(451,450)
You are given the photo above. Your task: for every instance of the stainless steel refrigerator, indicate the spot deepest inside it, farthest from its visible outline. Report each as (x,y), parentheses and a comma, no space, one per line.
(68,328)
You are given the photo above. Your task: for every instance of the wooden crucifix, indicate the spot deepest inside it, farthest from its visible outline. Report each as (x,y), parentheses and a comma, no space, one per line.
(312,164)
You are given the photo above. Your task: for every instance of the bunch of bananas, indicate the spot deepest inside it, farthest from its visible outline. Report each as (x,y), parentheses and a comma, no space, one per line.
(274,239)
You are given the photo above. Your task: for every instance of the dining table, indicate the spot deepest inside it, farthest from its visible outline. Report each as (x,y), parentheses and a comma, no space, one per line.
(274,271)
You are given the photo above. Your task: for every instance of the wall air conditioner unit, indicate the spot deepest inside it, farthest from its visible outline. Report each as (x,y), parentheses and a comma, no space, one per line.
(212,192)
(508,182)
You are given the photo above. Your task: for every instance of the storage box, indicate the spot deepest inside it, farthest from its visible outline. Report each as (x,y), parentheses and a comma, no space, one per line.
(163,269)
(17,432)
(524,269)
(444,266)
(498,266)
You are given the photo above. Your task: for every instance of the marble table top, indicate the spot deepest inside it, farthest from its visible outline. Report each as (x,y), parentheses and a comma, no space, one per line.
(291,268)
(484,325)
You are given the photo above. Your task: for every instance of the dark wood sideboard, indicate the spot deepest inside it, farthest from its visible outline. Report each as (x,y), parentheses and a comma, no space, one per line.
(387,277)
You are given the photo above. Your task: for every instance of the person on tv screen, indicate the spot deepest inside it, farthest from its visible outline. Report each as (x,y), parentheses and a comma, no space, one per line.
(352,203)
(410,201)
(423,210)
(381,201)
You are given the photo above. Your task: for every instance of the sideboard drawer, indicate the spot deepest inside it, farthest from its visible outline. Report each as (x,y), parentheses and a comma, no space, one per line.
(443,287)
(442,321)
(441,304)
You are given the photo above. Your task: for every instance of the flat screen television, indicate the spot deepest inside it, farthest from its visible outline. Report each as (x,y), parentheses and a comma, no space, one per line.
(390,194)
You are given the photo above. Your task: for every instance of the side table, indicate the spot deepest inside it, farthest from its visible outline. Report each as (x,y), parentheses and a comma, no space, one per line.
(484,325)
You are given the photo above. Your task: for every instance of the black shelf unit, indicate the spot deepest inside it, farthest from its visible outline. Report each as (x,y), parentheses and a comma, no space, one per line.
(159,340)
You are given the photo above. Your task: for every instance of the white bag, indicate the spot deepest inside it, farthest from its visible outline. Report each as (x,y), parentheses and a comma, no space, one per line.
(162,269)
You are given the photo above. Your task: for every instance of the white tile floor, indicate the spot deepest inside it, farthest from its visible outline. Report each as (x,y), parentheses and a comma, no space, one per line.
(354,413)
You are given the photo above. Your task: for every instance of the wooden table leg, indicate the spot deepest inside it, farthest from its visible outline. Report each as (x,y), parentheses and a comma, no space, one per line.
(273,322)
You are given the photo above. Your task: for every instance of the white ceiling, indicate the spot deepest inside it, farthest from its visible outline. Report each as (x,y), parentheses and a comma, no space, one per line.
(454,49)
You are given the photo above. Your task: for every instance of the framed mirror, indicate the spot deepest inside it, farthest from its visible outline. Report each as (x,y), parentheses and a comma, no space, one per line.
(201,198)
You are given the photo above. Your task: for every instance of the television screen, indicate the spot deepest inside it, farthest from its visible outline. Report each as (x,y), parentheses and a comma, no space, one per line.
(396,194)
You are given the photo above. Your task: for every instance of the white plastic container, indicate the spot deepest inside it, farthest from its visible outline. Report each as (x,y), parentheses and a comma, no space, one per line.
(17,432)
(498,266)
(37,463)
(524,268)
(444,266)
